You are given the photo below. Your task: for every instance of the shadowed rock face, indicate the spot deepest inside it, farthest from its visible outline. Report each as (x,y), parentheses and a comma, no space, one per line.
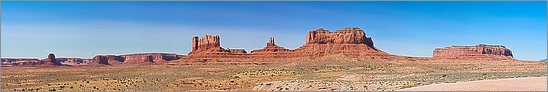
(100,60)
(52,61)
(478,51)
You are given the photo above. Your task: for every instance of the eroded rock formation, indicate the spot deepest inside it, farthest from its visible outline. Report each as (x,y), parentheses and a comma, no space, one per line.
(100,60)
(49,61)
(271,47)
(320,42)
(473,52)
(343,36)
(52,61)
(208,44)
(349,41)
(237,51)
(74,61)
(141,58)
(6,62)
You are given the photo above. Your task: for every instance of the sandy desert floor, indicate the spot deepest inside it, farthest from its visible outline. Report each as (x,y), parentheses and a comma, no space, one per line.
(512,84)
(347,75)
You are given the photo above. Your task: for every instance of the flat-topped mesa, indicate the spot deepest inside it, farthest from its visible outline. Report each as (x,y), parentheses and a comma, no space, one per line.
(480,51)
(208,43)
(50,60)
(348,41)
(271,47)
(20,62)
(141,58)
(342,36)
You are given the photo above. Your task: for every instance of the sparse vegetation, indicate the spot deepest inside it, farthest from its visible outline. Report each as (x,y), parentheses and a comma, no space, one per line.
(309,75)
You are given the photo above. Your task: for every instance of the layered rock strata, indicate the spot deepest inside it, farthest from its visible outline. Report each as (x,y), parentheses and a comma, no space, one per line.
(347,41)
(473,52)
(343,36)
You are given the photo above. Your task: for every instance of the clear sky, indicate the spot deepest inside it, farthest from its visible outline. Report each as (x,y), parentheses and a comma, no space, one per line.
(84,29)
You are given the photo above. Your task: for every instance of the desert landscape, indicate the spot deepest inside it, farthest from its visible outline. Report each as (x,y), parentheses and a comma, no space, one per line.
(344,60)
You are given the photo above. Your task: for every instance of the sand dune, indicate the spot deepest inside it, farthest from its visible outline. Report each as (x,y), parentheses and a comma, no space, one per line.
(513,84)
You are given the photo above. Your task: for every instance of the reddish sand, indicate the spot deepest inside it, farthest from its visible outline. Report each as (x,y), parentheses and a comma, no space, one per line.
(514,84)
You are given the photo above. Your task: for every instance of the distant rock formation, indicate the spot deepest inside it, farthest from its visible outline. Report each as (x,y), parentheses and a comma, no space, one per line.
(320,42)
(343,36)
(141,58)
(51,60)
(6,62)
(348,41)
(271,47)
(208,44)
(100,60)
(473,52)
(74,61)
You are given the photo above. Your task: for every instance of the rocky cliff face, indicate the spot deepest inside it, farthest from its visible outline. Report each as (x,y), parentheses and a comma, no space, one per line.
(349,41)
(343,36)
(208,43)
(100,60)
(478,51)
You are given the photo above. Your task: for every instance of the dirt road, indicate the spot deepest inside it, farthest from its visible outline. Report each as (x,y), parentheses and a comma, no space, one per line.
(514,84)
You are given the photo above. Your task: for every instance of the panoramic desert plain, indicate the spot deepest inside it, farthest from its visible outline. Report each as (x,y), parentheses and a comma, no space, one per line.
(344,60)
(327,74)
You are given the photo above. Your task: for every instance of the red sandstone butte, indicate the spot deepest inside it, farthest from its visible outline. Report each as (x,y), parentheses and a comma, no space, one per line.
(208,44)
(350,42)
(347,41)
(480,51)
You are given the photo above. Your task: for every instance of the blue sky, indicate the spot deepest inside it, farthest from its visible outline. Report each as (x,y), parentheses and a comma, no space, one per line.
(84,29)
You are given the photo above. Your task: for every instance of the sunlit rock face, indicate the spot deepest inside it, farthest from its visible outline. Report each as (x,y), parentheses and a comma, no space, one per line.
(348,41)
(473,52)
